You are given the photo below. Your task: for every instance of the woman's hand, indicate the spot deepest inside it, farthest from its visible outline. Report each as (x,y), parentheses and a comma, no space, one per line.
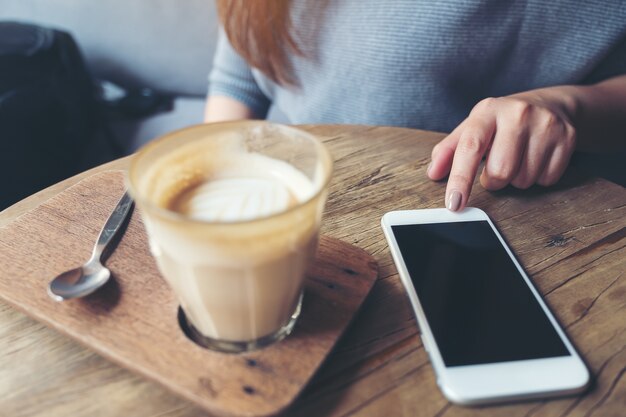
(527,138)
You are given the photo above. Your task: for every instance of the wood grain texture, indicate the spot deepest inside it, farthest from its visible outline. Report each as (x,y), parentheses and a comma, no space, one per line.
(133,319)
(570,238)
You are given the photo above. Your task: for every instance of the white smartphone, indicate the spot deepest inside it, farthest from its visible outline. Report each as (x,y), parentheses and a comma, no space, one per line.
(489,335)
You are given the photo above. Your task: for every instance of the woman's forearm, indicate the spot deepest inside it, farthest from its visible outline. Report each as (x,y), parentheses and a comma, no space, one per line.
(600,115)
(222,108)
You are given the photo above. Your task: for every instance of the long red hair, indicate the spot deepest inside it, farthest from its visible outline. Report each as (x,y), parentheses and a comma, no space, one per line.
(260,31)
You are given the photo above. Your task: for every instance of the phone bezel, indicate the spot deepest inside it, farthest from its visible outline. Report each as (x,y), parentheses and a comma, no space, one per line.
(494,382)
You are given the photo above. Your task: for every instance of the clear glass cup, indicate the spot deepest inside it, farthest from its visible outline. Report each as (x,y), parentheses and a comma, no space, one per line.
(237,268)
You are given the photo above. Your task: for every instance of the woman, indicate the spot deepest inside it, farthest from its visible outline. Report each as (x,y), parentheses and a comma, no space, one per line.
(523,83)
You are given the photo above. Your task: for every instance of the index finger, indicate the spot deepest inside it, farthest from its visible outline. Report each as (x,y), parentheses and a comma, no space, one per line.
(474,140)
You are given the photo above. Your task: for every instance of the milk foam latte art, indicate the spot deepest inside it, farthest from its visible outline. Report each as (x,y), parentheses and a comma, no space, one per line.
(232,212)
(245,187)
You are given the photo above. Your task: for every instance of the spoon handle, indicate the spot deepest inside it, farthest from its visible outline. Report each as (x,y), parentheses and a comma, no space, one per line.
(113,224)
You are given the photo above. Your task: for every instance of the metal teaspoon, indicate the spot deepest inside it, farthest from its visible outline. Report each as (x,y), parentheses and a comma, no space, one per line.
(86,279)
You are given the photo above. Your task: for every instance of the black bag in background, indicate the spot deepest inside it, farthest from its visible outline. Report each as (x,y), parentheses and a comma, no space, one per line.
(48,111)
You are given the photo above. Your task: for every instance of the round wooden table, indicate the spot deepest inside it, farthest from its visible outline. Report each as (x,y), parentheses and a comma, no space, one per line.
(571,239)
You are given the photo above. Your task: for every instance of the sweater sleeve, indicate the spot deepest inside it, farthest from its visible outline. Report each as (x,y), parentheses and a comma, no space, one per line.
(232,77)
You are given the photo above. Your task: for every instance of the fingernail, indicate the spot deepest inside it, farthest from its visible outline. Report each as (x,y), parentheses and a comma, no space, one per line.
(429,167)
(454,201)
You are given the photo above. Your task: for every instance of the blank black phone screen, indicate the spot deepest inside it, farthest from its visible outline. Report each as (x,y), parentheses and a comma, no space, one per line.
(477,304)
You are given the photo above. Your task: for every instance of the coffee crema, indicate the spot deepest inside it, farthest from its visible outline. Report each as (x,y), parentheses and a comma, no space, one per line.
(242,189)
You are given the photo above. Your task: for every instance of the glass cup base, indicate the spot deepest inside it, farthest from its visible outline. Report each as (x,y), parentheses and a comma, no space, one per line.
(228,346)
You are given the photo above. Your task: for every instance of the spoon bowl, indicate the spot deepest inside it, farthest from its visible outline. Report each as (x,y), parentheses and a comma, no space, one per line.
(86,279)
(79,282)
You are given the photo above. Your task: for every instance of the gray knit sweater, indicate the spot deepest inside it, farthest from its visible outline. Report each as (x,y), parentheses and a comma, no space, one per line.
(425,64)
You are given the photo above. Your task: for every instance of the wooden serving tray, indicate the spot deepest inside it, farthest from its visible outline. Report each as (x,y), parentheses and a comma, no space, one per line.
(133,319)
